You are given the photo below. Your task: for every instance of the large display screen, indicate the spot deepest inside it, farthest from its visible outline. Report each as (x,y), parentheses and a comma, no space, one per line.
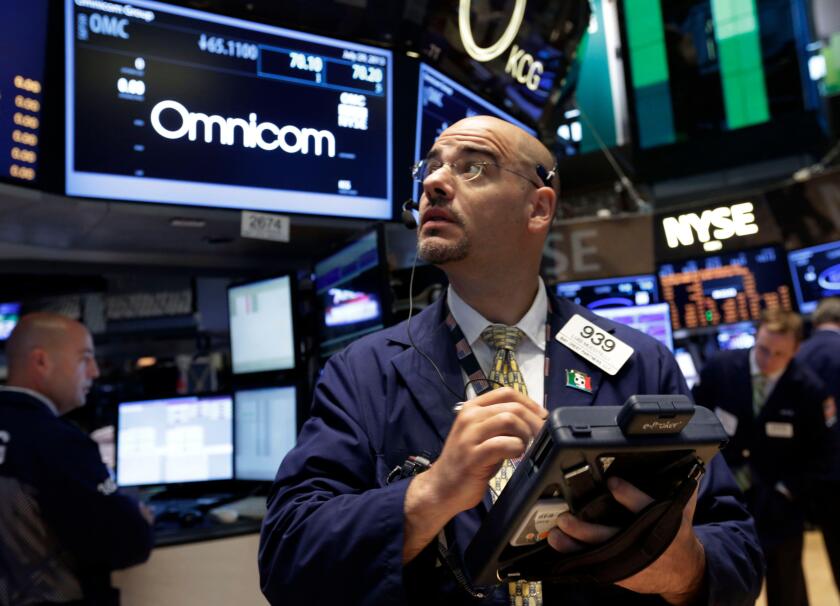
(168,104)
(352,289)
(611,292)
(441,102)
(261,333)
(653,320)
(265,429)
(816,274)
(703,67)
(23,30)
(726,288)
(176,440)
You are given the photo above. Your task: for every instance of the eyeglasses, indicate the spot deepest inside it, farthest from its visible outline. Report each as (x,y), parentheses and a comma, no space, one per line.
(466,170)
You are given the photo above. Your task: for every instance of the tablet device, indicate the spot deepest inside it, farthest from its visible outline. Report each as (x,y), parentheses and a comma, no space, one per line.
(658,443)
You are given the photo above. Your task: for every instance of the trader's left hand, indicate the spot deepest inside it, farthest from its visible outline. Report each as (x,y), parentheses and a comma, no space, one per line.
(677,575)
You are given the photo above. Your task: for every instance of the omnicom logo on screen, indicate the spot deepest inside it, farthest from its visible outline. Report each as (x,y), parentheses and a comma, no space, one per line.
(265,135)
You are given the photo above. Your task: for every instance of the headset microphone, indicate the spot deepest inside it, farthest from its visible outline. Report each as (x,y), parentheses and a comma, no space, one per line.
(407,216)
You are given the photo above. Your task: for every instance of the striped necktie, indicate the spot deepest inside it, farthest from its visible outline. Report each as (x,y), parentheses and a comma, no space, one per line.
(505,372)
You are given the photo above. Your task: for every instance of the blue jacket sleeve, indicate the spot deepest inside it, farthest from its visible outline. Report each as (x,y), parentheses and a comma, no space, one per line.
(333,532)
(734,560)
(101,527)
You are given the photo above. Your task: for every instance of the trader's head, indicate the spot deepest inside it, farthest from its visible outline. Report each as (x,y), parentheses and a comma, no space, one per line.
(777,340)
(485,201)
(827,314)
(53,355)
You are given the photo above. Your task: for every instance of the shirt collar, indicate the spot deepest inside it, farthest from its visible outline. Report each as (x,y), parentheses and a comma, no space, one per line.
(38,396)
(472,323)
(754,370)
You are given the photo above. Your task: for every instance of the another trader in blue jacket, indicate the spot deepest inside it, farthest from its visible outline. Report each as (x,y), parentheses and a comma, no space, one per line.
(821,354)
(337,532)
(63,525)
(772,408)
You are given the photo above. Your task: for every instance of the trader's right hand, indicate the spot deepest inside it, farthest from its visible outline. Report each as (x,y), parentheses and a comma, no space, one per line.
(490,428)
(493,427)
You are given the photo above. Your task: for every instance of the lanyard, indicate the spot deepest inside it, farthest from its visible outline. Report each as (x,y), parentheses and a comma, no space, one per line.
(469,363)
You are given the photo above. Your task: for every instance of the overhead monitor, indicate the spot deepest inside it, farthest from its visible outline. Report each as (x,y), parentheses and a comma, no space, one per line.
(23,29)
(712,80)
(174,105)
(624,291)
(736,336)
(725,288)
(265,429)
(261,327)
(816,274)
(353,292)
(653,320)
(176,440)
(441,102)
(9,316)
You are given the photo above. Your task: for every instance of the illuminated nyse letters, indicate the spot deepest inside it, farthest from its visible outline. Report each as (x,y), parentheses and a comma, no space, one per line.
(727,221)
(520,64)
(289,139)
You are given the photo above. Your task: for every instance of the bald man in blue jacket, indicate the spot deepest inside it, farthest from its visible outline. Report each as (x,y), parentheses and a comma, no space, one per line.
(337,532)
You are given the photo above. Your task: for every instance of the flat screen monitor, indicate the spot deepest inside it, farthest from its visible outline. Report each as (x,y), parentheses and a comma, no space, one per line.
(173,105)
(611,292)
(687,366)
(736,336)
(9,316)
(653,320)
(725,288)
(816,274)
(23,30)
(174,441)
(264,430)
(261,327)
(441,102)
(353,292)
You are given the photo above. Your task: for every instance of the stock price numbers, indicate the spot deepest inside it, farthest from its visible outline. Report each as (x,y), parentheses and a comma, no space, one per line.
(307,63)
(368,73)
(228,48)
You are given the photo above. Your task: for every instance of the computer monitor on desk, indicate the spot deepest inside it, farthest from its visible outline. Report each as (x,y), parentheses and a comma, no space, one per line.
(174,441)
(265,430)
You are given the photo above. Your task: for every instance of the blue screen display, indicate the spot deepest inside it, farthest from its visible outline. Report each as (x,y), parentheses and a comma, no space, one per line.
(23,30)
(653,320)
(816,274)
(351,291)
(265,430)
(441,102)
(611,292)
(173,105)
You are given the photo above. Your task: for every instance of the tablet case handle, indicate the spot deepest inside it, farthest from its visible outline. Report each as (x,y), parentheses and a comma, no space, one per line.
(630,551)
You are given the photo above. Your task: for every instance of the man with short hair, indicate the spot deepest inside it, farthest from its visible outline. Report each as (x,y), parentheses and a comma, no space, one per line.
(342,529)
(821,354)
(771,407)
(63,525)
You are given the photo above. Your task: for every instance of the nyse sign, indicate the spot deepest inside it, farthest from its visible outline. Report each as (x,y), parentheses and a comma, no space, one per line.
(599,248)
(711,226)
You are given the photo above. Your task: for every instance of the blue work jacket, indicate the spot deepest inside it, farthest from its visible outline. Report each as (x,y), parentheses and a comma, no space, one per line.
(333,533)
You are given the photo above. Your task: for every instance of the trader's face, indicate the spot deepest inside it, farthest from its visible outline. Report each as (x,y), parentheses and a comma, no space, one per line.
(774,350)
(486,215)
(72,369)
